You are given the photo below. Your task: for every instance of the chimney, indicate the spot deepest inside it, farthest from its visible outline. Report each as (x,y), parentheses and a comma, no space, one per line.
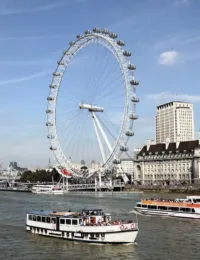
(167,141)
(148,143)
(177,141)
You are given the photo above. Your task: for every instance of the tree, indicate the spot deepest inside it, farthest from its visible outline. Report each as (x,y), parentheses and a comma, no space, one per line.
(40,176)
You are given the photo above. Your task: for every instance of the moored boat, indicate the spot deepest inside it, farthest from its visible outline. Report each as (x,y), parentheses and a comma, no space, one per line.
(91,226)
(182,208)
(47,189)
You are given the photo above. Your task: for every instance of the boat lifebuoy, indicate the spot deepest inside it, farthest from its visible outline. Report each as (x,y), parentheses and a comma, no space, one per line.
(132,226)
(122,227)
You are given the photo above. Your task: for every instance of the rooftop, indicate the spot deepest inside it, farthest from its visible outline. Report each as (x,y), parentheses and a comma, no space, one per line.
(171,103)
(188,146)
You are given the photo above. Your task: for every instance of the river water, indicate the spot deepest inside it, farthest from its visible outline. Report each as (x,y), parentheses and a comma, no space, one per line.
(159,238)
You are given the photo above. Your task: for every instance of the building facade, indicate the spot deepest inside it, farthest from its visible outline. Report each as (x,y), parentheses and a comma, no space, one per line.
(168,163)
(174,120)
(127,166)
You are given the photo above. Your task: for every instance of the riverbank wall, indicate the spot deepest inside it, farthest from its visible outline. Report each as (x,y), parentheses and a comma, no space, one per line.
(193,190)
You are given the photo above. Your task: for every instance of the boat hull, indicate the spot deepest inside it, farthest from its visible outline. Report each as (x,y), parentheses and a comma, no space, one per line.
(167,213)
(120,237)
(49,192)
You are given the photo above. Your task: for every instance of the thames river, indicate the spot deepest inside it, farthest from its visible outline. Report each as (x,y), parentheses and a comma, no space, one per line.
(159,238)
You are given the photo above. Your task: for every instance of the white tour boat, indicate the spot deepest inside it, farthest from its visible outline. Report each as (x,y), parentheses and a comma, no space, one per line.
(91,226)
(182,208)
(47,189)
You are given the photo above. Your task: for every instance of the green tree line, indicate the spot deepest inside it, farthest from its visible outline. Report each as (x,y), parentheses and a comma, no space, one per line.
(40,176)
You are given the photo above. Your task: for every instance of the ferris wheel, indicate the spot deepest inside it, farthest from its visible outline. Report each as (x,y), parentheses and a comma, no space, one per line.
(91,110)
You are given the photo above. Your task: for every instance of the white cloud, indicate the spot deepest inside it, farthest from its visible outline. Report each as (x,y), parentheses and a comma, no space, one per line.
(166,97)
(169,58)
(33,37)
(26,78)
(38,9)
(182,2)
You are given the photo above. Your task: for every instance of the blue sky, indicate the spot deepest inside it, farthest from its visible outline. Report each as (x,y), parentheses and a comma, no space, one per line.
(163,36)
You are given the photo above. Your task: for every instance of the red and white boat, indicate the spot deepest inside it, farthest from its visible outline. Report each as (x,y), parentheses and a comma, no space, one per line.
(90,226)
(182,208)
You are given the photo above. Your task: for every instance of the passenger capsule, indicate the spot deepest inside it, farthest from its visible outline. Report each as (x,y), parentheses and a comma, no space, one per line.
(113,35)
(96,30)
(49,111)
(105,31)
(124,148)
(116,161)
(120,43)
(53,148)
(52,86)
(129,133)
(71,43)
(50,98)
(131,67)
(56,74)
(133,116)
(135,99)
(134,82)
(49,124)
(127,53)
(60,62)
(50,136)
(78,36)
(88,32)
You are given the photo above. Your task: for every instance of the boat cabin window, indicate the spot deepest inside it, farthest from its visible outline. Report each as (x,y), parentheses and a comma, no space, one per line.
(38,218)
(185,209)
(53,220)
(193,210)
(62,221)
(144,206)
(34,218)
(152,207)
(48,220)
(43,219)
(162,207)
(174,208)
(196,200)
(74,222)
(80,221)
(138,205)
(68,221)
(30,217)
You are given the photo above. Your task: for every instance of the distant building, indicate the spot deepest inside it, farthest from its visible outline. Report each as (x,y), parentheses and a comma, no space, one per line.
(15,167)
(82,162)
(94,165)
(174,120)
(127,166)
(168,163)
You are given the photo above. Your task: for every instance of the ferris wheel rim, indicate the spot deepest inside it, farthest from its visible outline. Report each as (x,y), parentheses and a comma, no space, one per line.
(51,117)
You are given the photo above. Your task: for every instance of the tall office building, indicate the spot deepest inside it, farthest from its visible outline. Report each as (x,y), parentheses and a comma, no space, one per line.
(174,121)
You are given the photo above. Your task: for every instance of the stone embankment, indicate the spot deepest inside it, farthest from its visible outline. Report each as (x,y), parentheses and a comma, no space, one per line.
(189,189)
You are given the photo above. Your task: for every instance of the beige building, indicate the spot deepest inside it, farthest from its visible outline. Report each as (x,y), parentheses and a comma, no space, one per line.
(168,163)
(174,120)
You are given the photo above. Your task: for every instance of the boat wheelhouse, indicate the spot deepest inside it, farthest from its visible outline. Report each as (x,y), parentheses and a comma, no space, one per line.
(91,226)
(47,189)
(183,208)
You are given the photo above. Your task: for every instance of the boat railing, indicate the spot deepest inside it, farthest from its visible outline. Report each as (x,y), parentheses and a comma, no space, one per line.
(110,223)
(165,200)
